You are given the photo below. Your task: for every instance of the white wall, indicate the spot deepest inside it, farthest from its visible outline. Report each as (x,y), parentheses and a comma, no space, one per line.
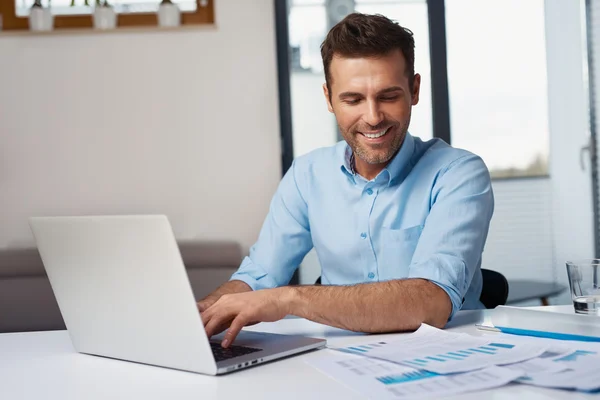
(183,123)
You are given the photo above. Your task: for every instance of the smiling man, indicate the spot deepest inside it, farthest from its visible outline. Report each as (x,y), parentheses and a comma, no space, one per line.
(398,224)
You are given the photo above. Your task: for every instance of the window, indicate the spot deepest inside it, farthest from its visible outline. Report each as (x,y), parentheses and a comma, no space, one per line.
(308,27)
(497,83)
(498,91)
(313,126)
(78,13)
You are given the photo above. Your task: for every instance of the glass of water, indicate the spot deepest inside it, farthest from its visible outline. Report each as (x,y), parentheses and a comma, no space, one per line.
(584,280)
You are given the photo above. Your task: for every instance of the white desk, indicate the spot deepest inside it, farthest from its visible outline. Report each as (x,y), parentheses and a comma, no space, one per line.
(43,365)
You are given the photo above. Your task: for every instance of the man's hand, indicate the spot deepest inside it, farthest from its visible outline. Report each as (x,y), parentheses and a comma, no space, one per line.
(234,311)
(226,288)
(208,301)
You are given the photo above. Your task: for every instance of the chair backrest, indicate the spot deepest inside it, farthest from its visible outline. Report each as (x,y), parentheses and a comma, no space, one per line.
(495,289)
(494,292)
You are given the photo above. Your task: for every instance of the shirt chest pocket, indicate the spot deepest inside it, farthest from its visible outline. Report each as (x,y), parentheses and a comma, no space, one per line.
(397,249)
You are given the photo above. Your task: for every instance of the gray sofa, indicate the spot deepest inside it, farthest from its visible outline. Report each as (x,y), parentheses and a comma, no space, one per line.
(28,304)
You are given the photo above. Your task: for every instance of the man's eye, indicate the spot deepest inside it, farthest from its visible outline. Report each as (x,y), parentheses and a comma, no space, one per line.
(389,98)
(352,101)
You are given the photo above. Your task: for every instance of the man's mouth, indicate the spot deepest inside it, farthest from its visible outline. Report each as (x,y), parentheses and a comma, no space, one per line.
(376,134)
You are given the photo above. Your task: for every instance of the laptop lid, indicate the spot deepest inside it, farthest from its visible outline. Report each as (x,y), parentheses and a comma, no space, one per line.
(123,290)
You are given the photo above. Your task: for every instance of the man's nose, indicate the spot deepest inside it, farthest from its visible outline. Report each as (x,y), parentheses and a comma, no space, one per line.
(373,116)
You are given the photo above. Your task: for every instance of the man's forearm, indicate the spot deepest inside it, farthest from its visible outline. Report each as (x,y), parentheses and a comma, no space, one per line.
(397,305)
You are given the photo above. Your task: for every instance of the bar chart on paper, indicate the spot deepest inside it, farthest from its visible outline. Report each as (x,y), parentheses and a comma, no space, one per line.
(580,372)
(364,348)
(459,355)
(576,356)
(441,352)
(406,377)
(580,360)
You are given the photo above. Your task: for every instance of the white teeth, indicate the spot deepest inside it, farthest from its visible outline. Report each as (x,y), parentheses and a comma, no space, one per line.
(375,135)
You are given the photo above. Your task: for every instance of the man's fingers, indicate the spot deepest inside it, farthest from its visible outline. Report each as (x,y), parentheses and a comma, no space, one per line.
(214,327)
(236,326)
(206,316)
(216,310)
(217,324)
(205,303)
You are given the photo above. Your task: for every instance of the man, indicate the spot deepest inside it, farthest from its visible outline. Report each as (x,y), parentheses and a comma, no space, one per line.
(398,224)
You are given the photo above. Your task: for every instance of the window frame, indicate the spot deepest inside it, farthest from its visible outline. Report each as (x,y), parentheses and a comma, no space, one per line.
(11,22)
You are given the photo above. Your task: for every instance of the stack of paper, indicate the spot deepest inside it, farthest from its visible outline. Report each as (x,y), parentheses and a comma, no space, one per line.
(380,379)
(446,352)
(570,364)
(431,362)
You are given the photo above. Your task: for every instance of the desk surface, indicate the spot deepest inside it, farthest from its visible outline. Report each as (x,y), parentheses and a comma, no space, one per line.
(44,365)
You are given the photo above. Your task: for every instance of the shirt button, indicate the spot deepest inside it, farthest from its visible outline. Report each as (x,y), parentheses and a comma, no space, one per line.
(369,191)
(363,235)
(371,275)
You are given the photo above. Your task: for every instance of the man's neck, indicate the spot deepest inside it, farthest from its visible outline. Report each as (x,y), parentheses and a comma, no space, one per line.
(366,170)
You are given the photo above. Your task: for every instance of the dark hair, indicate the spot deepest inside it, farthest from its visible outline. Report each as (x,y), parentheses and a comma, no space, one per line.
(362,35)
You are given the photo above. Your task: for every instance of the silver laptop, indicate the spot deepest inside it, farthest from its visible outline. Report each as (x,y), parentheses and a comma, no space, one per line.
(124,293)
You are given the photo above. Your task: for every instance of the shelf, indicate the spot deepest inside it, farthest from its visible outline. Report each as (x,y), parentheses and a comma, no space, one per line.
(119,30)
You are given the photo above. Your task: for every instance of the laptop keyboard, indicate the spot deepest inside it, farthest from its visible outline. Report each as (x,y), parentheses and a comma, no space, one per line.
(232,351)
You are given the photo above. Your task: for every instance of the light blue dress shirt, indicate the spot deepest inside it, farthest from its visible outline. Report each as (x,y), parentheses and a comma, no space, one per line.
(426,215)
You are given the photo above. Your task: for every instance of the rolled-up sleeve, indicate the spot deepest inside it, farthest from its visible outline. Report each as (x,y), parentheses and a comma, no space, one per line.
(283,241)
(451,244)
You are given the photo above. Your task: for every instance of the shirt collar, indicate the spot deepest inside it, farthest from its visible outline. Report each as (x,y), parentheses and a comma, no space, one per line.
(395,166)
(347,160)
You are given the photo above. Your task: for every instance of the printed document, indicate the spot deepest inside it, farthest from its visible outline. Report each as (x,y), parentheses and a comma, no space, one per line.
(379,379)
(443,352)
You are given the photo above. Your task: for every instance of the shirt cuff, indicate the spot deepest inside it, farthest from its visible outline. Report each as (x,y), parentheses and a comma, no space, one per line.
(454,298)
(447,280)
(253,275)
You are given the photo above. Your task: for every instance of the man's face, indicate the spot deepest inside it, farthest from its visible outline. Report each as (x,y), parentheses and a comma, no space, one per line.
(372,101)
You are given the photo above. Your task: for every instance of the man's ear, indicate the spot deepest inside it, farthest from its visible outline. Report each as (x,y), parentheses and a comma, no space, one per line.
(416,89)
(326,93)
